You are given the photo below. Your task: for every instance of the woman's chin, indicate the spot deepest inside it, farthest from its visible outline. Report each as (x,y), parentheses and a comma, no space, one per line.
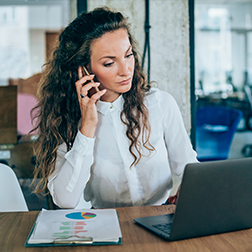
(125,88)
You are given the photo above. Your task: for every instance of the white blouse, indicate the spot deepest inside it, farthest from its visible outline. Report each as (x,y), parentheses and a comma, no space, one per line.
(99,168)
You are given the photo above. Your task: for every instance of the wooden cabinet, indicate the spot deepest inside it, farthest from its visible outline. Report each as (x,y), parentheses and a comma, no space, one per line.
(8,114)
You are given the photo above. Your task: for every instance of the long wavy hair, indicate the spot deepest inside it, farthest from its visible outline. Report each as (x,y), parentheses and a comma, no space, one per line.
(58,108)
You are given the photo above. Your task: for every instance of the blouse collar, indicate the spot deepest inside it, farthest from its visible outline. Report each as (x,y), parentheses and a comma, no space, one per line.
(104,107)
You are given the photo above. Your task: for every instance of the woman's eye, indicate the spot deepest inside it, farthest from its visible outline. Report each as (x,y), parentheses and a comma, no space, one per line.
(129,55)
(108,64)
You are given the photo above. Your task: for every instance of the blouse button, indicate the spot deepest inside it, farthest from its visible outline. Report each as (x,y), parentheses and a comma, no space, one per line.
(111,106)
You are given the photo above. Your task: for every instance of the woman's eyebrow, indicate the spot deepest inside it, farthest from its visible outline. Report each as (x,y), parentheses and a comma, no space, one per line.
(112,57)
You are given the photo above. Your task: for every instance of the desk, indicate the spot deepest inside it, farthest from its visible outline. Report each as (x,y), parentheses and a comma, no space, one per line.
(15,227)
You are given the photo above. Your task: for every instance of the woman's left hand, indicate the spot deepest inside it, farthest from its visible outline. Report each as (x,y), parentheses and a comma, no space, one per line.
(173,199)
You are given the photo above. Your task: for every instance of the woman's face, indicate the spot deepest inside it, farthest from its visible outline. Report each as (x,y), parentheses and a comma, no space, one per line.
(112,61)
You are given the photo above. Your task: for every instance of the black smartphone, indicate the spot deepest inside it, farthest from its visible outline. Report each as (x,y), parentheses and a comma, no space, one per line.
(91,91)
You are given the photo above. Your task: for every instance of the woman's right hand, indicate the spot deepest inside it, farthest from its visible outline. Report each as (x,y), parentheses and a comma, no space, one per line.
(87,104)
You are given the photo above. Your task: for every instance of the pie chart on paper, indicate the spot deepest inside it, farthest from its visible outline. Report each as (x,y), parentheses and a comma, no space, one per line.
(80,215)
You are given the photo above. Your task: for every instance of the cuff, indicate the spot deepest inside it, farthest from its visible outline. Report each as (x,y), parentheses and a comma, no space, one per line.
(83,145)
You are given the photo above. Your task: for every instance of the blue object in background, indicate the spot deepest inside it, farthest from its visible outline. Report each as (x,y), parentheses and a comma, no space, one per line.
(215,129)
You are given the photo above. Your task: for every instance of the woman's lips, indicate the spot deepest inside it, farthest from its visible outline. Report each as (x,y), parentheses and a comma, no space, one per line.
(125,82)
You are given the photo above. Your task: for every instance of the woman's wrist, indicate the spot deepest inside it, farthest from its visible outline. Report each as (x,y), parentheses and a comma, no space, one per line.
(88,130)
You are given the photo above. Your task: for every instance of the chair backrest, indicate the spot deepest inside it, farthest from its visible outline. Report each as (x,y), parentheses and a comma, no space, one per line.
(217,115)
(11,195)
(215,129)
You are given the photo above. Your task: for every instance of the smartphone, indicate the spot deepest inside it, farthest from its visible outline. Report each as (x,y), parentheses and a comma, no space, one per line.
(96,88)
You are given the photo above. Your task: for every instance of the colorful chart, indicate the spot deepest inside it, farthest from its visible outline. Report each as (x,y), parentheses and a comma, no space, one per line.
(80,215)
(68,229)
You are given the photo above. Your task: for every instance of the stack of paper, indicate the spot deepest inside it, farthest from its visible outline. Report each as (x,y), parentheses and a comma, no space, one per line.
(67,227)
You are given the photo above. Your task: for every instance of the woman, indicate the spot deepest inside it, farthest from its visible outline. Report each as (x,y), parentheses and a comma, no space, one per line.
(107,136)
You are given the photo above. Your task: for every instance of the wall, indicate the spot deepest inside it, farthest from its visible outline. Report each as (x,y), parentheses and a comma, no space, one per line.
(23,27)
(169,41)
(225,50)
(37,50)
(43,18)
(14,42)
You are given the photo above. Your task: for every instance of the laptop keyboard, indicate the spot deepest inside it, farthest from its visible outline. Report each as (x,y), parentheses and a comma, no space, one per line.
(164,227)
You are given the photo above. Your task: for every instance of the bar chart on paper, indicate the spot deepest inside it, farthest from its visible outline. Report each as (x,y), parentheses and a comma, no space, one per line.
(71,228)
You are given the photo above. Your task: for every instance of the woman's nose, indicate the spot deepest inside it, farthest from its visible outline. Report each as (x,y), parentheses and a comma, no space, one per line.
(124,68)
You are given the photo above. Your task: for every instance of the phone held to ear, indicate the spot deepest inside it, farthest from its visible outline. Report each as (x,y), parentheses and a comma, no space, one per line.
(91,92)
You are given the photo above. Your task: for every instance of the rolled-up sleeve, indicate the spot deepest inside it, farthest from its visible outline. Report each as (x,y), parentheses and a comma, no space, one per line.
(72,172)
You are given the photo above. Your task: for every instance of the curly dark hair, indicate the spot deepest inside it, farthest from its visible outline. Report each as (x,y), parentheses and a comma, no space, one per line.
(59,111)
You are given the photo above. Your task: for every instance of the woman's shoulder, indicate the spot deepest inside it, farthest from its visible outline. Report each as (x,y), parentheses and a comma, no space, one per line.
(162,105)
(159,97)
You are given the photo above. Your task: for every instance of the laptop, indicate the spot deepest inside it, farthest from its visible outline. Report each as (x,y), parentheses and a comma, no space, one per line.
(215,197)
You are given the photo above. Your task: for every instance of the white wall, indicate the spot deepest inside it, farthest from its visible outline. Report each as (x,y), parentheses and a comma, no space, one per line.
(49,17)
(37,50)
(23,26)
(42,18)
(239,20)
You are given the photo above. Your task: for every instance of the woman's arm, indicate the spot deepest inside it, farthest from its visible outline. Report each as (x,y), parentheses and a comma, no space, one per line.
(178,143)
(72,169)
(72,172)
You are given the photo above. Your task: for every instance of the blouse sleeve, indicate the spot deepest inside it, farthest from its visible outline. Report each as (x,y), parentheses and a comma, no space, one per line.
(178,143)
(72,172)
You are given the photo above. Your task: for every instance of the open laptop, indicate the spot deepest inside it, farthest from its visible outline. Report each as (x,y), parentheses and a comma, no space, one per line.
(215,197)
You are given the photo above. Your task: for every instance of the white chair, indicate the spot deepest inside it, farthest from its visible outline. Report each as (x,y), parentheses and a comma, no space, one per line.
(11,195)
